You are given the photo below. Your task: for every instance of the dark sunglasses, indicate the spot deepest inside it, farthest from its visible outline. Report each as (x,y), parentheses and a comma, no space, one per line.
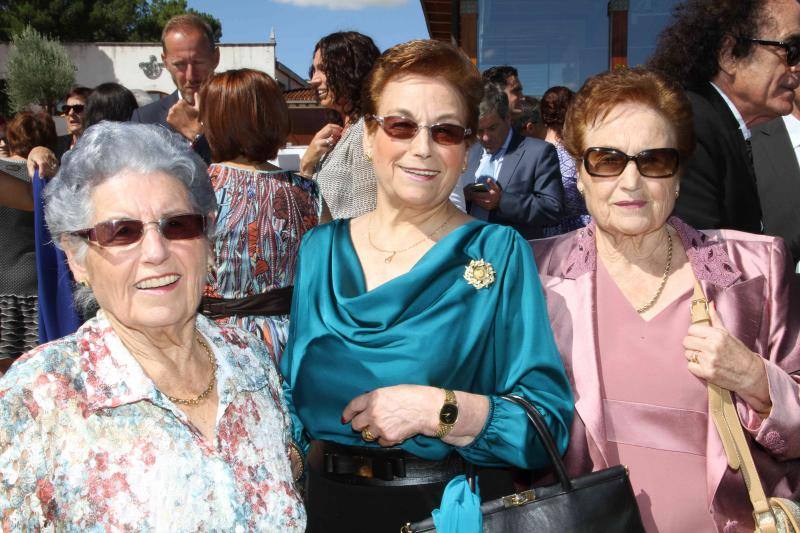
(78,108)
(791,46)
(123,232)
(610,162)
(405,128)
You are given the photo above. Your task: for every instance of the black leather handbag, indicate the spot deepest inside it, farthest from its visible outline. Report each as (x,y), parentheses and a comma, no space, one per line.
(600,501)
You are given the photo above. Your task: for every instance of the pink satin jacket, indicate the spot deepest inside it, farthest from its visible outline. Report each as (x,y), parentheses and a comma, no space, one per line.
(749,278)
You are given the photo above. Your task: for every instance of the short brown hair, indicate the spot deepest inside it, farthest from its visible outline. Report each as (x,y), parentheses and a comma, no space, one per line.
(436,59)
(604,92)
(78,92)
(244,114)
(187,21)
(28,130)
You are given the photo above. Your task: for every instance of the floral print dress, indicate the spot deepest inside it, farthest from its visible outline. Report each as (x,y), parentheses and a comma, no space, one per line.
(262,217)
(88,443)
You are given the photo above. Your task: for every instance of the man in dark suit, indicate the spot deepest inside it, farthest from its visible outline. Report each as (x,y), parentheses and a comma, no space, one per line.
(511,179)
(746,76)
(776,146)
(190,56)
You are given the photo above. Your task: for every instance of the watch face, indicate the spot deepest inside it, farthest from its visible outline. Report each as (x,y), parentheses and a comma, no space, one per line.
(448,414)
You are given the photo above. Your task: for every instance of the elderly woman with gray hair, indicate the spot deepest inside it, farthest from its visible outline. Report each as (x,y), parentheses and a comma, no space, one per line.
(150,416)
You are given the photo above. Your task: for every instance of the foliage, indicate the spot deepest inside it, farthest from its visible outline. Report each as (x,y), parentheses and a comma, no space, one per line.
(95,20)
(39,71)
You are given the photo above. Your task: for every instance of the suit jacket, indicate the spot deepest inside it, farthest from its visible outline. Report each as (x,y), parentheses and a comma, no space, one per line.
(778,175)
(718,188)
(530,178)
(156,113)
(749,280)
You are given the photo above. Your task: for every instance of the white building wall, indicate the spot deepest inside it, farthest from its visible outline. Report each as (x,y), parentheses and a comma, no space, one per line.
(129,63)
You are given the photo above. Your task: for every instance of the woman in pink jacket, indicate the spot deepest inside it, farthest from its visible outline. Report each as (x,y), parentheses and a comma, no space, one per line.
(618,294)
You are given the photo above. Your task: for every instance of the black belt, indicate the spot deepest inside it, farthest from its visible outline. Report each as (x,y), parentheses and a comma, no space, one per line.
(271,303)
(356,465)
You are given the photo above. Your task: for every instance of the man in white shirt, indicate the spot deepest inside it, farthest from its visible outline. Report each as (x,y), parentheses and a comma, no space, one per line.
(776,157)
(509,179)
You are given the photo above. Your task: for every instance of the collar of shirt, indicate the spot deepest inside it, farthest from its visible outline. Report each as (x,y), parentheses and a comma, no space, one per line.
(792,124)
(738,116)
(498,155)
(114,377)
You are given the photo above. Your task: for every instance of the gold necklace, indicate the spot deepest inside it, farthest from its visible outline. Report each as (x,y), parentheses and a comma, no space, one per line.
(203,395)
(667,269)
(393,253)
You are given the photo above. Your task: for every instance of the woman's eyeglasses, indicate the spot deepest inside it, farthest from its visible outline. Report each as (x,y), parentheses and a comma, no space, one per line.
(78,108)
(609,162)
(124,232)
(792,48)
(405,128)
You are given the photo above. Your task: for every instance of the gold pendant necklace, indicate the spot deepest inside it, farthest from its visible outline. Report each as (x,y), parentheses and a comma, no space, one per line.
(393,253)
(667,269)
(203,395)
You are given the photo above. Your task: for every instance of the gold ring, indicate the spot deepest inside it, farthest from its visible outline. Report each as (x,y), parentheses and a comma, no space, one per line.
(367,435)
(693,357)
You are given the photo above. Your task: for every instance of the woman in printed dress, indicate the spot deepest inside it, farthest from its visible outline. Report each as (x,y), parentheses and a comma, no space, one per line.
(150,416)
(263,211)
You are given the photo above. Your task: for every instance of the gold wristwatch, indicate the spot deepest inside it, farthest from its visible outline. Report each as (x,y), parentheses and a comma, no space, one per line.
(448,414)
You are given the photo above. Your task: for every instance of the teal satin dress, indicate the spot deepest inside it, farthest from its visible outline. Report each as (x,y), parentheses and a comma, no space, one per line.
(426,327)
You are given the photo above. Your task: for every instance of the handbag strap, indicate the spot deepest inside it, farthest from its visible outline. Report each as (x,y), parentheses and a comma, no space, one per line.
(726,420)
(536,419)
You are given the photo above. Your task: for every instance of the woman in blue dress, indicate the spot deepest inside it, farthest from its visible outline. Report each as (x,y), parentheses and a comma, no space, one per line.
(409,322)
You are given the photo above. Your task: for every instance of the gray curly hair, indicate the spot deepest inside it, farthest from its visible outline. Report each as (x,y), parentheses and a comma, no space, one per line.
(103,151)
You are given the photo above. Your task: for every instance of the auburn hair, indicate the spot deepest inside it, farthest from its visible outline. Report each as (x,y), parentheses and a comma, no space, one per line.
(604,92)
(436,59)
(244,114)
(28,130)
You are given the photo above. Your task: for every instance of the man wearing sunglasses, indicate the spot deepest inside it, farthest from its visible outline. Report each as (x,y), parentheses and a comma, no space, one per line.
(190,56)
(510,179)
(73,111)
(739,63)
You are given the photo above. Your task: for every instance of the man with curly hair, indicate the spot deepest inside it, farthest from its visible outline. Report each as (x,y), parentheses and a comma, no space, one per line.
(738,60)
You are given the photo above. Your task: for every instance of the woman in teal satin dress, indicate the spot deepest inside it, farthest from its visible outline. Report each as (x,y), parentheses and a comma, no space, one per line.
(410,321)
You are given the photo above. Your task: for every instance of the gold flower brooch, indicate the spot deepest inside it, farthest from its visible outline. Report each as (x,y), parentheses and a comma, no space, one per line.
(479,273)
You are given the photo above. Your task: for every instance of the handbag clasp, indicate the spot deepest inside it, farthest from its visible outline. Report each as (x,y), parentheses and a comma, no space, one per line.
(515,500)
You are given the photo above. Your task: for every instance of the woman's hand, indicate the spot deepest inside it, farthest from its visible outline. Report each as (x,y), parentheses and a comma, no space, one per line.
(322,143)
(394,414)
(720,358)
(44,160)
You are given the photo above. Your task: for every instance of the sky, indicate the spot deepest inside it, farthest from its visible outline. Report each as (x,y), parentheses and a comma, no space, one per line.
(299,24)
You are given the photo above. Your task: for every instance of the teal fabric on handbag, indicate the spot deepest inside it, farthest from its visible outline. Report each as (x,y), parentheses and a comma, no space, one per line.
(460,510)
(429,326)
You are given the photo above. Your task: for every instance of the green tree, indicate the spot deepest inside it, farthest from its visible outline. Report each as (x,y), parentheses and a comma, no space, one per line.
(95,20)
(39,71)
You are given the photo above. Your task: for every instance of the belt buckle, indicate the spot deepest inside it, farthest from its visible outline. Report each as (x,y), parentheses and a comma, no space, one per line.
(363,466)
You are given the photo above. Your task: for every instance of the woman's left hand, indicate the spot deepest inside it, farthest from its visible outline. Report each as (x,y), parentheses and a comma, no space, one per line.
(394,414)
(720,358)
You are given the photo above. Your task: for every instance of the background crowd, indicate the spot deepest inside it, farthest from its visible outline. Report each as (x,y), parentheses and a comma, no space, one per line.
(326,349)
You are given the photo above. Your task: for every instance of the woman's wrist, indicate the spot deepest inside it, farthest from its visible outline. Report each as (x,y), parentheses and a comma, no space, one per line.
(757,394)
(473,410)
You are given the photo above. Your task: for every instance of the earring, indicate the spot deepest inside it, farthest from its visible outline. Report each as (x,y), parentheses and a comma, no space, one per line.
(85,284)
(368,155)
(464,167)
(677,191)
(580,191)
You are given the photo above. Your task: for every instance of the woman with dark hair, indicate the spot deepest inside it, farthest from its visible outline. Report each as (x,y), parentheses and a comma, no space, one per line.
(73,112)
(18,315)
(335,156)
(109,101)
(554,104)
(263,211)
